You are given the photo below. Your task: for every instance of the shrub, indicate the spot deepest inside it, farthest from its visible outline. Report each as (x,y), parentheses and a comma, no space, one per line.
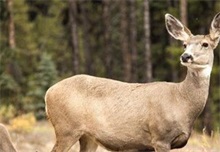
(24,123)
(7,112)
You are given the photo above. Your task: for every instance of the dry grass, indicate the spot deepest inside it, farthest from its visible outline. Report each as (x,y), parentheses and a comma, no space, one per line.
(42,138)
(202,143)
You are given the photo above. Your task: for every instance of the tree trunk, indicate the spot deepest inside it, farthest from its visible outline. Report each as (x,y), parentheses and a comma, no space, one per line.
(11,26)
(133,40)
(74,35)
(86,40)
(147,41)
(183,11)
(107,38)
(124,41)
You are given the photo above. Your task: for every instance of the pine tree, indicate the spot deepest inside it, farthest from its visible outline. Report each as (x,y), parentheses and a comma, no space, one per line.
(43,78)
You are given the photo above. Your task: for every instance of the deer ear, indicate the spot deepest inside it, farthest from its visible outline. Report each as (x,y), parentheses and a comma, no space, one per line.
(215,29)
(176,28)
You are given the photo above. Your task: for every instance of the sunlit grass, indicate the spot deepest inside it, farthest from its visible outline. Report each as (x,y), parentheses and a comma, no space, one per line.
(205,142)
(24,123)
(202,143)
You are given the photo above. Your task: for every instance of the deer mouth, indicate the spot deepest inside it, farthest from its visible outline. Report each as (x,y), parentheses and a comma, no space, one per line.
(195,64)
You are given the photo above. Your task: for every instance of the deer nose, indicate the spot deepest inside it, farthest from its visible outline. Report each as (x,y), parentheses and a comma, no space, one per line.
(186,57)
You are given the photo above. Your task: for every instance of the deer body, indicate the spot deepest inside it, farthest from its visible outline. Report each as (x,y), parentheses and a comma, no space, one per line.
(131,116)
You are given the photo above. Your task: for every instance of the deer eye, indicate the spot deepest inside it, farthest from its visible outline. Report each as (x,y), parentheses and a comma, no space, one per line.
(184,46)
(205,44)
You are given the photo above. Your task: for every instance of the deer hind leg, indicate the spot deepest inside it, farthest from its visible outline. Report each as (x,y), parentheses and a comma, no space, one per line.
(87,144)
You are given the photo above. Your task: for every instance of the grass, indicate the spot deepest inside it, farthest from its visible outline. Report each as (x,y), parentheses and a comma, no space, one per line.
(42,139)
(204,143)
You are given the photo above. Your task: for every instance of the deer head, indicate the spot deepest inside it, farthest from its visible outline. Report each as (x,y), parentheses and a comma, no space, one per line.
(198,49)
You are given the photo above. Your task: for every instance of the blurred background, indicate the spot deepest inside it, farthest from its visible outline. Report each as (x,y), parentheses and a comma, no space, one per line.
(44,41)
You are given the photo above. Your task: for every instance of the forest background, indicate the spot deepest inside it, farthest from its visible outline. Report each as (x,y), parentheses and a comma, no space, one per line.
(44,41)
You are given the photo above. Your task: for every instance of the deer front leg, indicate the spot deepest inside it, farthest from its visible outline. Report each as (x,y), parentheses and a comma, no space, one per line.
(65,139)
(87,144)
(161,147)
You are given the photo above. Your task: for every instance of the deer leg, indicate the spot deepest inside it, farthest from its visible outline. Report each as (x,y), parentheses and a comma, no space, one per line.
(64,141)
(5,142)
(137,151)
(87,144)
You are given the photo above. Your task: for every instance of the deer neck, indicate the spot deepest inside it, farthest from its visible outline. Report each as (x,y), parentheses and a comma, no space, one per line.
(194,89)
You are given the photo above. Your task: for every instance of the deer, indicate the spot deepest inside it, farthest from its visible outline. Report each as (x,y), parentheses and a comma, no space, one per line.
(5,140)
(137,117)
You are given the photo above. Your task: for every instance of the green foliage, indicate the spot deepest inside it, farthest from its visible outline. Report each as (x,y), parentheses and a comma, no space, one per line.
(8,83)
(214,93)
(23,27)
(7,112)
(173,52)
(10,77)
(43,78)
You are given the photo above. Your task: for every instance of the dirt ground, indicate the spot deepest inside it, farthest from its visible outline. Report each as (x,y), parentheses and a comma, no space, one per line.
(42,139)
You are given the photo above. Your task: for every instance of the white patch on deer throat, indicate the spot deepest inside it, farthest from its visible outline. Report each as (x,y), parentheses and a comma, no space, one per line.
(206,72)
